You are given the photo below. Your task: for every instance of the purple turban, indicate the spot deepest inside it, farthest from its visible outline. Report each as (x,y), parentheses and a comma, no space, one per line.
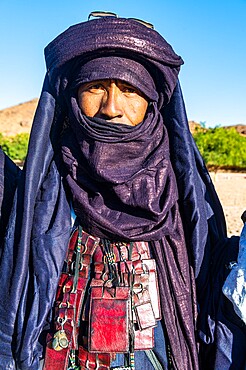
(115,37)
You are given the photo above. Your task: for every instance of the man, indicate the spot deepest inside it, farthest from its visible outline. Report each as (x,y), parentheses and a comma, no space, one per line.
(114,186)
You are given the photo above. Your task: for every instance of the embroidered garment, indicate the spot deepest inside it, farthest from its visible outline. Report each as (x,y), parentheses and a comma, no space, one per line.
(121,286)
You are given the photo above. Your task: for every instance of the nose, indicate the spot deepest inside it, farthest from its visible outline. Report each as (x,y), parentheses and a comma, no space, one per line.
(111,106)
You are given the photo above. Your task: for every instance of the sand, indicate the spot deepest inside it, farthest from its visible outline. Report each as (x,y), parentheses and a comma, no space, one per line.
(231,189)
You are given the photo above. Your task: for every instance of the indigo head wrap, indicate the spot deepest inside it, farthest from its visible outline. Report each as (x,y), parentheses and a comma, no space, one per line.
(112,67)
(120,37)
(117,174)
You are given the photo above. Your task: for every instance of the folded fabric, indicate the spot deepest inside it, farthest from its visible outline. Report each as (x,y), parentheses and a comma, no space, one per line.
(234,287)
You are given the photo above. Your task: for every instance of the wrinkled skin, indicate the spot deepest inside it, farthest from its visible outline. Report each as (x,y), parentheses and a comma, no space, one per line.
(113,100)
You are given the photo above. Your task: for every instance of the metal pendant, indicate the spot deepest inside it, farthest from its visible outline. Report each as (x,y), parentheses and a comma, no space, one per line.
(60,340)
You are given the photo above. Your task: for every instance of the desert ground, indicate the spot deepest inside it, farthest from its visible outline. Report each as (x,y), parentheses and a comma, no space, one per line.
(231,188)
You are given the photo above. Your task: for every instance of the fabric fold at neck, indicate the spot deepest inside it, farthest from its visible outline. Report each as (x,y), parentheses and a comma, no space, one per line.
(120,177)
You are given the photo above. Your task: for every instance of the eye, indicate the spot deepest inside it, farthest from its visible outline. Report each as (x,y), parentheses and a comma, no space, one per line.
(128,89)
(95,86)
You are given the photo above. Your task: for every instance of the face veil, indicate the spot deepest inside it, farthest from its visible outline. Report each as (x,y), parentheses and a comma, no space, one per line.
(117,174)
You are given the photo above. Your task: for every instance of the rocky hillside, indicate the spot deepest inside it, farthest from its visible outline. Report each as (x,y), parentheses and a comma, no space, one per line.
(241,129)
(18,119)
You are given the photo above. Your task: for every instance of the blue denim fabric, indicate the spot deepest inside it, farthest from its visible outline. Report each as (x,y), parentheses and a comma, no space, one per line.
(141,360)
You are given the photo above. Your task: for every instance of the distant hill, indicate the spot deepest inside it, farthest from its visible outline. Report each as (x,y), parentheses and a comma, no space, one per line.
(241,129)
(18,119)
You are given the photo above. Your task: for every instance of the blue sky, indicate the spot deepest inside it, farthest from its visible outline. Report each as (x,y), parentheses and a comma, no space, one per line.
(209,35)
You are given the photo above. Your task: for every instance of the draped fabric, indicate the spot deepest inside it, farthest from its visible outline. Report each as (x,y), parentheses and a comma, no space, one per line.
(35,247)
(115,67)
(120,176)
(119,37)
(39,225)
(9,174)
(218,327)
(123,188)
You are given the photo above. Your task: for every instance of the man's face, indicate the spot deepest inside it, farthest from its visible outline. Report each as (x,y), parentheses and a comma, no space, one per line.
(113,100)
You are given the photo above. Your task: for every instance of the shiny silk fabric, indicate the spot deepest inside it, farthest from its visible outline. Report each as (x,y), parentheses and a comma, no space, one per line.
(115,67)
(9,175)
(39,225)
(121,179)
(115,36)
(123,188)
